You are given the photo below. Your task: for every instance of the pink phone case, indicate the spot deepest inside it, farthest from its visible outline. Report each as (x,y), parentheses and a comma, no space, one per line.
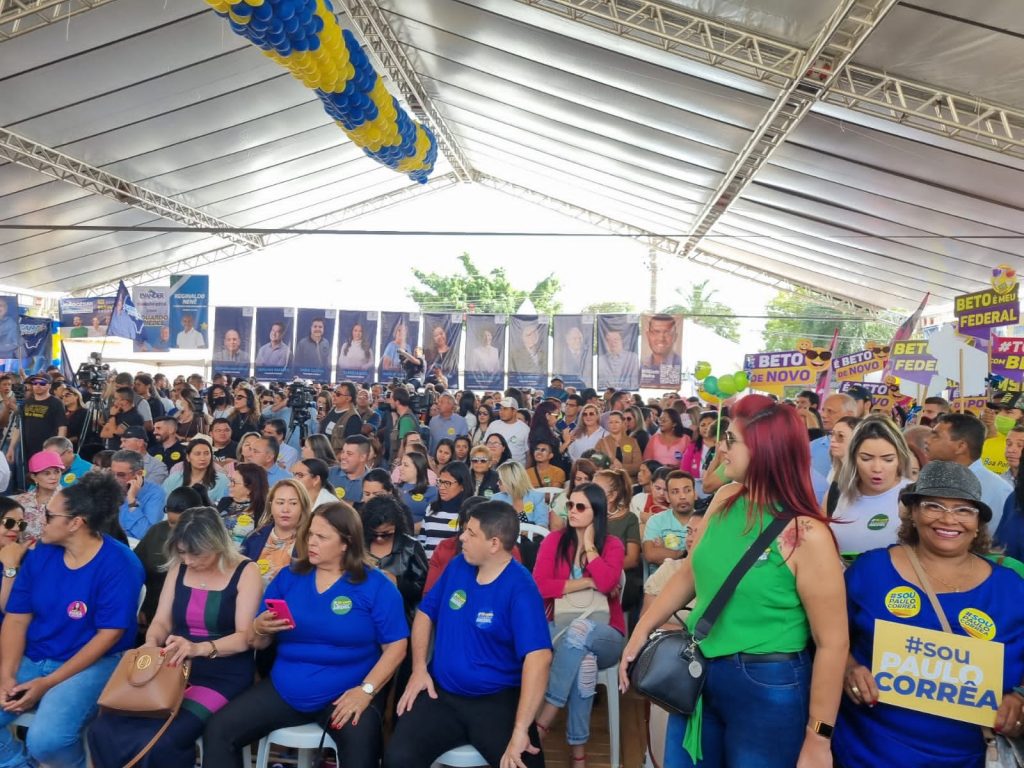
(280,609)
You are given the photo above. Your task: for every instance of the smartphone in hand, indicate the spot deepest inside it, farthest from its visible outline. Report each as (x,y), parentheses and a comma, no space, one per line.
(280,610)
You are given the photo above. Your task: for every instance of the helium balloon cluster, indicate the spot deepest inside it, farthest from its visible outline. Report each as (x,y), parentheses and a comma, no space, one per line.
(304,36)
(714,388)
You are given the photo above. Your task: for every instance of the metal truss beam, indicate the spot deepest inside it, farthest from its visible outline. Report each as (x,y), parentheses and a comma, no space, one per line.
(327,220)
(844,32)
(63,167)
(20,16)
(372,26)
(672,246)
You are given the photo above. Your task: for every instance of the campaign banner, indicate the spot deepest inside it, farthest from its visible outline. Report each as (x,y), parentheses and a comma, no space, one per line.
(774,371)
(485,351)
(10,334)
(151,303)
(855,366)
(911,361)
(574,350)
(1007,357)
(618,352)
(905,331)
(442,343)
(881,393)
(35,343)
(314,340)
(275,329)
(233,351)
(125,321)
(85,318)
(941,673)
(357,342)
(973,405)
(188,300)
(661,349)
(528,351)
(979,312)
(400,334)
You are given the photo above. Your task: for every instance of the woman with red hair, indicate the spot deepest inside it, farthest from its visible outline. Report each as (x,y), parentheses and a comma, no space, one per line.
(764,703)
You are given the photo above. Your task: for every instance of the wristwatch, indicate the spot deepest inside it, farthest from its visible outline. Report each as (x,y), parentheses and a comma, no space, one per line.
(10,573)
(822,729)
(368,688)
(213,650)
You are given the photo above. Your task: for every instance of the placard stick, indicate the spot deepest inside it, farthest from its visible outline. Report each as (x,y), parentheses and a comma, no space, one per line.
(963,398)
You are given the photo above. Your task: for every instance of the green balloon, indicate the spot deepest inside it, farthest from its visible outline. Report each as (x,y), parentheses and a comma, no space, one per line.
(740,380)
(702,370)
(726,385)
(711,385)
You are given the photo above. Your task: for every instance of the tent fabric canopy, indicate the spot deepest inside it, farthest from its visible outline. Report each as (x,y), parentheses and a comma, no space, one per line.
(163,96)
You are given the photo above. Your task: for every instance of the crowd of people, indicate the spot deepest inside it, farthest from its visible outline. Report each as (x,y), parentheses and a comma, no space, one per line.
(416,570)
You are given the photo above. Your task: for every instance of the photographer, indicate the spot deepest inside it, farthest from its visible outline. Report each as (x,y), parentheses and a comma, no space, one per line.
(412,364)
(42,417)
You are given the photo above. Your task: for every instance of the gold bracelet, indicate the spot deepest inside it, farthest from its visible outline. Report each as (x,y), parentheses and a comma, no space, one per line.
(261,634)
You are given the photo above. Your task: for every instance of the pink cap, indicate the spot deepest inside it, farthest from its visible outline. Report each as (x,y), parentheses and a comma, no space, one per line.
(45,460)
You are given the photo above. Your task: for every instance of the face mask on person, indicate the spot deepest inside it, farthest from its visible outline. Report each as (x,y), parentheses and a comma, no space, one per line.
(1004,424)
(220,400)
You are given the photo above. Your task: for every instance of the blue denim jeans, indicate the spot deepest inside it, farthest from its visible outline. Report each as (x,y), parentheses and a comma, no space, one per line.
(571,682)
(55,738)
(755,715)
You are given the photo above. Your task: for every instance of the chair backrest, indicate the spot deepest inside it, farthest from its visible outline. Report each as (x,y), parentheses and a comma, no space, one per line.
(550,494)
(532,531)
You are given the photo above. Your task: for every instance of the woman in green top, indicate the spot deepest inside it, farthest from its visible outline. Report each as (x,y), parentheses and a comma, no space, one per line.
(763,705)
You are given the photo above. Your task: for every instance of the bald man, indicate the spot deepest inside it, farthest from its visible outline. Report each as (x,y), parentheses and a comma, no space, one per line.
(834,407)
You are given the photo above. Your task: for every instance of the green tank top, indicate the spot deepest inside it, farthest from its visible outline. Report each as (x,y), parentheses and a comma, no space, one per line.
(764,614)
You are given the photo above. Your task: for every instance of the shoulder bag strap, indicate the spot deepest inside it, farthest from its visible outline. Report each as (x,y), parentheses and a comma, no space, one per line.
(927,585)
(756,549)
(154,740)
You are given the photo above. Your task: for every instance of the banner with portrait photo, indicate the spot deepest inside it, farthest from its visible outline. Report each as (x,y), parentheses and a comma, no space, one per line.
(151,303)
(442,343)
(485,352)
(357,344)
(661,351)
(36,348)
(618,352)
(274,341)
(573,359)
(232,350)
(10,334)
(85,318)
(314,340)
(399,335)
(528,351)
(188,300)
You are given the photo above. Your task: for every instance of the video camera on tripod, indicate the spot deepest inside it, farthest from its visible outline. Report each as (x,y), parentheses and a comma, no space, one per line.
(93,375)
(301,396)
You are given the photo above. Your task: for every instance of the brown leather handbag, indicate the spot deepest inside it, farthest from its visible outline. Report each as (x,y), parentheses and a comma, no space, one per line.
(142,685)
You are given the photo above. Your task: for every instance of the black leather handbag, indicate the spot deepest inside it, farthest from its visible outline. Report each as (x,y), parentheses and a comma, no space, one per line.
(670,668)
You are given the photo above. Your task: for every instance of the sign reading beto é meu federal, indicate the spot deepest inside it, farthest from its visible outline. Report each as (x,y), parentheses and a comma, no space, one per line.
(978,313)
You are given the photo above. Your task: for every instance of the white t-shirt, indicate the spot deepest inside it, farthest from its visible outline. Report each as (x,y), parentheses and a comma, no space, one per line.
(516,435)
(868,522)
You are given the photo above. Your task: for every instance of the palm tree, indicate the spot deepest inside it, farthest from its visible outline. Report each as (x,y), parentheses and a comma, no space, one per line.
(699,303)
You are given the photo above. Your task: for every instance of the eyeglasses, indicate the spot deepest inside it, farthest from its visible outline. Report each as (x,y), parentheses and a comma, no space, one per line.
(241,397)
(266,402)
(933,510)
(579,506)
(10,524)
(479,460)
(731,440)
(446,483)
(50,515)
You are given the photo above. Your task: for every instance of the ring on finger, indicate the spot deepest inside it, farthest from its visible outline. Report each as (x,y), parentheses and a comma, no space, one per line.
(855,690)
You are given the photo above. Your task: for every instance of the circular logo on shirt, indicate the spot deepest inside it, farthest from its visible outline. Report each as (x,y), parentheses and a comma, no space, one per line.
(417,497)
(903,602)
(339,492)
(457,600)
(175,455)
(264,565)
(627,448)
(158,456)
(513,439)
(453,523)
(451,430)
(977,623)
(528,507)
(69,478)
(77,610)
(678,455)
(673,541)
(341,605)
(878,522)
(488,494)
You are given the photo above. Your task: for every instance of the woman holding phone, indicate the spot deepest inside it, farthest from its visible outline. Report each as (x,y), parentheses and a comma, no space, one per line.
(340,642)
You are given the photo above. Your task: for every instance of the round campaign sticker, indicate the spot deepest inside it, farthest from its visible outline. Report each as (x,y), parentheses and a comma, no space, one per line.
(417,497)
(341,605)
(903,602)
(457,600)
(977,623)
(453,523)
(158,456)
(175,455)
(339,492)
(69,478)
(673,540)
(678,455)
(451,430)
(513,439)
(77,609)
(528,507)
(627,448)
(264,565)
(878,522)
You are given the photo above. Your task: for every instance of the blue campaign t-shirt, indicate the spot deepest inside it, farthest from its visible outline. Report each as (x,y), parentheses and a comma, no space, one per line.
(484,631)
(417,502)
(337,637)
(911,739)
(69,605)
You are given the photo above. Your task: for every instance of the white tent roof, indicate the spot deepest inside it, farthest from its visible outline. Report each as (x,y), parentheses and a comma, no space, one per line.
(717,147)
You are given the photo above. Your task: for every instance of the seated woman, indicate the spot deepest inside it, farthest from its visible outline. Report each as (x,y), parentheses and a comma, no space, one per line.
(453,486)
(485,479)
(620,446)
(319,447)
(414,485)
(530,503)
(463,445)
(643,505)
(579,558)
(312,473)
(444,451)
(44,470)
(14,543)
(199,467)
(247,494)
(58,647)
(497,447)
(333,664)
(393,549)
(944,526)
(280,534)
(204,615)
(582,471)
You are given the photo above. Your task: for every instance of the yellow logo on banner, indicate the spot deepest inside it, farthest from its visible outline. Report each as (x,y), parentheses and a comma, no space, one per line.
(903,602)
(937,672)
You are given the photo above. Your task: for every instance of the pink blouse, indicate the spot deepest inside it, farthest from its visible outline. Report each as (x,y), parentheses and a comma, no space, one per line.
(669,455)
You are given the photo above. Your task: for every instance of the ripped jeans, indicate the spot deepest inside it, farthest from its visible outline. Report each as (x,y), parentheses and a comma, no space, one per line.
(585,648)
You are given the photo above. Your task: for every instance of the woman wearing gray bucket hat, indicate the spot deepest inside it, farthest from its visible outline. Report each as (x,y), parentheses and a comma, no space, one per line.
(944,539)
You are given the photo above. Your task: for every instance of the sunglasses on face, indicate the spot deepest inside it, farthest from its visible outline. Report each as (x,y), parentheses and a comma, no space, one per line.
(579,506)
(10,524)
(50,515)
(731,440)
(480,460)
(382,535)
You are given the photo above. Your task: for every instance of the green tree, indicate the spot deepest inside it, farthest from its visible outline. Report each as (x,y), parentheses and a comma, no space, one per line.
(789,323)
(475,291)
(608,308)
(700,300)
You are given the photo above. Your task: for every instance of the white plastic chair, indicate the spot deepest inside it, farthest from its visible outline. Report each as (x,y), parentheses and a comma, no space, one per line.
(460,757)
(305,738)
(246,753)
(609,678)
(550,494)
(533,530)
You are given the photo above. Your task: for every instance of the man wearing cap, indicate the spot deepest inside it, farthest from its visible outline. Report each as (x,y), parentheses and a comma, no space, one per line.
(447,423)
(136,439)
(144,501)
(863,399)
(42,416)
(959,437)
(509,426)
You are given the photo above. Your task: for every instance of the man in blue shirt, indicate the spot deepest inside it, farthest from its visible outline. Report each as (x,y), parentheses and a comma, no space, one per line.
(144,501)
(264,453)
(492,655)
(447,423)
(347,477)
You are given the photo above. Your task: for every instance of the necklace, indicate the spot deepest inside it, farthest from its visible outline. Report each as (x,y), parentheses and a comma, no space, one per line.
(946,584)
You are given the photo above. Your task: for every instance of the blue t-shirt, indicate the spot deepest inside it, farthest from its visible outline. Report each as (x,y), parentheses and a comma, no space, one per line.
(69,605)
(484,631)
(535,505)
(908,738)
(417,503)
(337,636)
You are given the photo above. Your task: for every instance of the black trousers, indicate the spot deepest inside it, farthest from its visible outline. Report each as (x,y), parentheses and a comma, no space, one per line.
(261,709)
(433,726)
